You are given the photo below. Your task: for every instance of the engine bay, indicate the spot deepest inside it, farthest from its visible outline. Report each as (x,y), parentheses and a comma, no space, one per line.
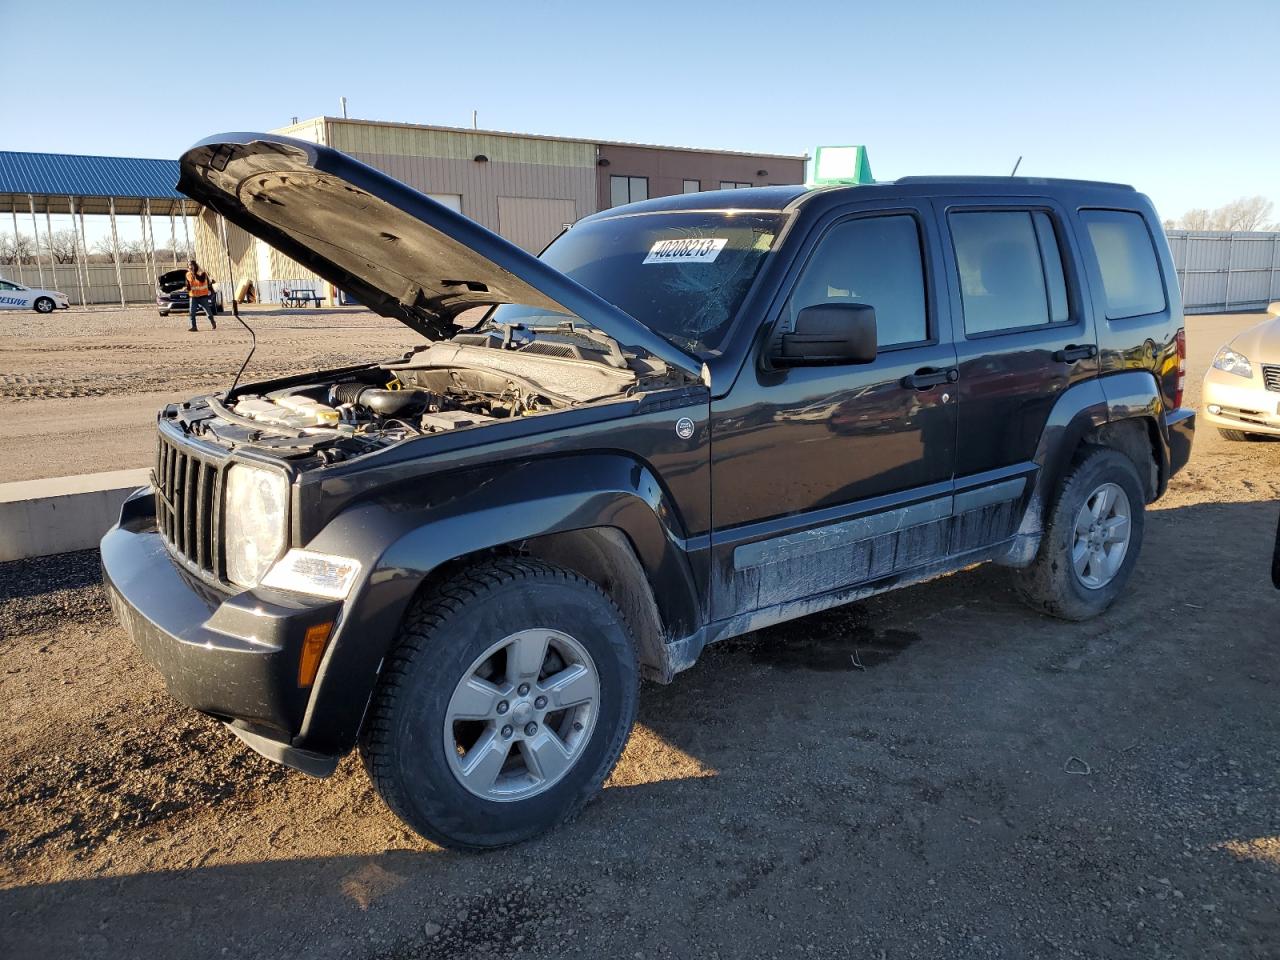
(368,409)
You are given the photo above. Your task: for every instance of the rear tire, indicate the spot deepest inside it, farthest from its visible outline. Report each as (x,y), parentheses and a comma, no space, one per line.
(1091,541)
(469,635)
(43,305)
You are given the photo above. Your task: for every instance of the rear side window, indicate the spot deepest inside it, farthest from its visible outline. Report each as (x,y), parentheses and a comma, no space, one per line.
(1010,265)
(1127,260)
(872,260)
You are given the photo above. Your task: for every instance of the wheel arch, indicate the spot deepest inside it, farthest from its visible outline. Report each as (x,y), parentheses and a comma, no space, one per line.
(1123,411)
(605,516)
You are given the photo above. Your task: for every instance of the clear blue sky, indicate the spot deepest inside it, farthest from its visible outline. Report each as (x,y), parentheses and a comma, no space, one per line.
(1180,99)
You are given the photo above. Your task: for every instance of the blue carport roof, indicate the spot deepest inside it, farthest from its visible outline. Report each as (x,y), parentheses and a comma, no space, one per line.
(50,178)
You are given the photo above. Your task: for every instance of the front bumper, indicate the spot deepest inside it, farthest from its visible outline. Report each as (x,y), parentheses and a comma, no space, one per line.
(1243,404)
(234,656)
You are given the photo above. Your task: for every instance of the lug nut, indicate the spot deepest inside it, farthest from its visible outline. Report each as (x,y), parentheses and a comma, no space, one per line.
(507,731)
(503,707)
(522,689)
(530,729)
(577,726)
(540,702)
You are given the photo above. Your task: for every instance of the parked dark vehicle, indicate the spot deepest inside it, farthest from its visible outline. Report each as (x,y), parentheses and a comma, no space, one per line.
(691,417)
(171,293)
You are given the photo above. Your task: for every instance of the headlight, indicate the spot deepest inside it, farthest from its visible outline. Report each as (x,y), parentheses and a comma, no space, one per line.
(1232,362)
(257,508)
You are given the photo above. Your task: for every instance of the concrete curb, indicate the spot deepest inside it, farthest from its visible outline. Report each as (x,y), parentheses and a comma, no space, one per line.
(39,518)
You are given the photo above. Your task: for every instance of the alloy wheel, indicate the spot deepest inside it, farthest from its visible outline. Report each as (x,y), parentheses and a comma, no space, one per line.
(522,715)
(1101,536)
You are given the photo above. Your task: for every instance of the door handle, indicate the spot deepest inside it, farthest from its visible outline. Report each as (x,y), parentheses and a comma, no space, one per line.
(927,377)
(1071,353)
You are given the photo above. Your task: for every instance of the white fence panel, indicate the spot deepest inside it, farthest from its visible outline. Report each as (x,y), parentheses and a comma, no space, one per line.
(1220,271)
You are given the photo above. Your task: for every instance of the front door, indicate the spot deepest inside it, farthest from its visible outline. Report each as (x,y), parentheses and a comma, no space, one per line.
(818,471)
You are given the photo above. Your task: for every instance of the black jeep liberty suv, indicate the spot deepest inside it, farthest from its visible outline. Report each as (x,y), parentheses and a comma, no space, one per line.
(689,418)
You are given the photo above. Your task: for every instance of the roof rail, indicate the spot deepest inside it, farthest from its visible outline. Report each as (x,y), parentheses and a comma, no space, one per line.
(1027,180)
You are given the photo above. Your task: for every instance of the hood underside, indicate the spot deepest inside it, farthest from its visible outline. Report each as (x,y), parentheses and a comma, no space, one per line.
(397,251)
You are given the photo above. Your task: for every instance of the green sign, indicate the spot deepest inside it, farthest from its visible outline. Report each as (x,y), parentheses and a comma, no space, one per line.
(840,165)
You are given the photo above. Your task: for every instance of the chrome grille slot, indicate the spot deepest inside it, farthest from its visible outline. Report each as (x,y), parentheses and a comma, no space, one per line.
(189,505)
(1271,376)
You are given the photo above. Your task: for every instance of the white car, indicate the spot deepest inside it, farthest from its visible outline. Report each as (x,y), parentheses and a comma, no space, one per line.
(15,296)
(1242,388)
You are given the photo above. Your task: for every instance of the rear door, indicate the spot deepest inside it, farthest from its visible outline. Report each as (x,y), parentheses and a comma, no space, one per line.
(1023,332)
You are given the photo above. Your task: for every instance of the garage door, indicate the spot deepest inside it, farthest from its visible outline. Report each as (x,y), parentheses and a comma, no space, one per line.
(532,223)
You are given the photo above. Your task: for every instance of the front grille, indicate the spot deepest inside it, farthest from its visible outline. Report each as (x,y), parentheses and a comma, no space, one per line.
(188,489)
(1271,376)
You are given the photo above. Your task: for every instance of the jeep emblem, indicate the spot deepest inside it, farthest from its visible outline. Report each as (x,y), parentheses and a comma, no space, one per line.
(684,428)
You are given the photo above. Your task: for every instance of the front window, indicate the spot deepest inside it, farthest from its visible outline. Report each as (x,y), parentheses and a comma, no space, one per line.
(682,274)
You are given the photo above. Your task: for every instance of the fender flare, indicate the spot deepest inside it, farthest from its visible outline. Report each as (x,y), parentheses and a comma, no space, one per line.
(1081,409)
(414,529)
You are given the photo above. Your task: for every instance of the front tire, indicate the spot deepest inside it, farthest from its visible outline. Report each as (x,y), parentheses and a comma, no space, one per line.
(504,705)
(43,305)
(1091,541)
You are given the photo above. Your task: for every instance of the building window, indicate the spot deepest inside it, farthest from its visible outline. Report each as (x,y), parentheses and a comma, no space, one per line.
(692,186)
(451,200)
(627,190)
(734,185)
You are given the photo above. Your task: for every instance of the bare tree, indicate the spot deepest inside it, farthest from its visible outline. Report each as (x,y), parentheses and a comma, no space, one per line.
(1198,219)
(62,245)
(11,251)
(1245,213)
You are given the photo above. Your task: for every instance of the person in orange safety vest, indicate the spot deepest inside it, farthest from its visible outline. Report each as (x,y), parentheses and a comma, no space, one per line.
(200,294)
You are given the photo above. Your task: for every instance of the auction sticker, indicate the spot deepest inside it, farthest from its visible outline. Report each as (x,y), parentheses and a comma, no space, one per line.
(686,250)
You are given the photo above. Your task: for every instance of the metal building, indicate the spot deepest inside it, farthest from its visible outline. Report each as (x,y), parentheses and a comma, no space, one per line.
(35,187)
(525,187)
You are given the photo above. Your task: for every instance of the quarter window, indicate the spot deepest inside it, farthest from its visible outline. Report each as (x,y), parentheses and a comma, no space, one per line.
(873,260)
(1011,275)
(692,186)
(627,190)
(1131,278)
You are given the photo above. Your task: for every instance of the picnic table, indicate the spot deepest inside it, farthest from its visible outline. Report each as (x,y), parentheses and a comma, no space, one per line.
(301,297)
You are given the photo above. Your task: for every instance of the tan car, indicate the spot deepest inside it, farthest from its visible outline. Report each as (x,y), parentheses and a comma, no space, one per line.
(1242,388)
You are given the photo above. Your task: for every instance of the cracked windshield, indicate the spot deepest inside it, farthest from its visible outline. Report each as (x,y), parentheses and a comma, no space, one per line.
(683,275)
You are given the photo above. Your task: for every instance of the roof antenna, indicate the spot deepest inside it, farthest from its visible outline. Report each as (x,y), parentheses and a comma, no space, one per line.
(1014,171)
(235,306)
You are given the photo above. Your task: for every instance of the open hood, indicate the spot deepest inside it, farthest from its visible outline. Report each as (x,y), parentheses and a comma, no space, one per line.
(397,251)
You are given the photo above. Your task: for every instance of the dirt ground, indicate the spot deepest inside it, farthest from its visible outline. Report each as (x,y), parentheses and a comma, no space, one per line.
(937,772)
(79,390)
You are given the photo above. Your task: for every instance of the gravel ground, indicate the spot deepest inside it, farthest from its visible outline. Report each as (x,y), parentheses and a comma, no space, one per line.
(934,773)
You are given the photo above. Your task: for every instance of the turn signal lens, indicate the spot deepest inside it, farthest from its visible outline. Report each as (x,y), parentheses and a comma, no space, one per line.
(313,644)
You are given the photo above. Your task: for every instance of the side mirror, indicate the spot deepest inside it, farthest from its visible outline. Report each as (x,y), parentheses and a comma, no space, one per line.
(1273,309)
(831,333)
